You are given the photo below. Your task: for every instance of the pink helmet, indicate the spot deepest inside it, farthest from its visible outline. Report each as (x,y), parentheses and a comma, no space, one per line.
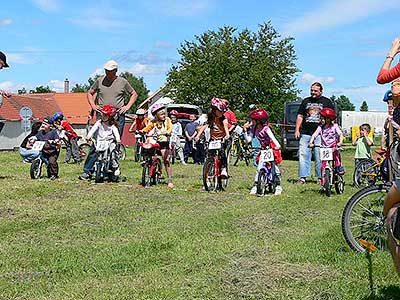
(156,107)
(109,110)
(259,114)
(219,104)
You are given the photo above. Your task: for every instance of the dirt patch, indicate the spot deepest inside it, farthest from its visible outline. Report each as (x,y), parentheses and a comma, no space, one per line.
(262,225)
(7,212)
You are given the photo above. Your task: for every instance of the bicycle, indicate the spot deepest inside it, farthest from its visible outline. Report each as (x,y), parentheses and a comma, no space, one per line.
(138,149)
(363,218)
(152,168)
(212,179)
(330,176)
(267,177)
(106,166)
(369,171)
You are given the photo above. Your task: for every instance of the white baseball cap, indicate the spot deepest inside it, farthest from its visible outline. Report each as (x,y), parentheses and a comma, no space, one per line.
(111,65)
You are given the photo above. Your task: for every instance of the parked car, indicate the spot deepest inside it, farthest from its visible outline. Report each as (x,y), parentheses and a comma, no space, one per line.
(290,145)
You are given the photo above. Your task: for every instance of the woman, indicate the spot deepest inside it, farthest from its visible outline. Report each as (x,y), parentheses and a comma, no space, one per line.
(25,150)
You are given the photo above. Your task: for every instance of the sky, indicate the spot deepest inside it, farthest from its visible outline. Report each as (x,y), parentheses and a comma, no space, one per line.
(340,43)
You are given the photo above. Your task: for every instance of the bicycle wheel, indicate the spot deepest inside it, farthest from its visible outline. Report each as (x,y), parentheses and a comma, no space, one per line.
(261,183)
(339,185)
(327,182)
(365,173)
(122,151)
(363,218)
(98,172)
(223,182)
(157,172)
(137,152)
(238,153)
(83,150)
(146,179)
(210,181)
(36,168)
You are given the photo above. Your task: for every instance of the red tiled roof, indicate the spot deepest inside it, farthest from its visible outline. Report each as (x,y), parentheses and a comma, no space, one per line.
(74,106)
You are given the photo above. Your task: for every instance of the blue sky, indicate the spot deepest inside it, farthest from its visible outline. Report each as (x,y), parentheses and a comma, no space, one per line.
(340,43)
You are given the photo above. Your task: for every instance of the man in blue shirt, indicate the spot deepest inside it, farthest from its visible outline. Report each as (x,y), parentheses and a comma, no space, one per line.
(190,133)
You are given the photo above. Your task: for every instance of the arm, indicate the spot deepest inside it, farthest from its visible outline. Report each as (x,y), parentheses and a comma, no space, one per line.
(299,121)
(132,100)
(132,127)
(355,138)
(200,132)
(314,136)
(386,74)
(90,96)
(148,127)
(225,122)
(368,140)
(116,134)
(169,126)
(339,132)
(93,130)
(274,140)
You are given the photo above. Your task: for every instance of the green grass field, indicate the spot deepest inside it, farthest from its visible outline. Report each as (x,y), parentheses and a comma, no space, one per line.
(68,239)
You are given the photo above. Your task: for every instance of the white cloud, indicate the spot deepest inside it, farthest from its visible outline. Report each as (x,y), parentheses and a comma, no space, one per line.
(56,85)
(183,8)
(310,78)
(5,22)
(163,45)
(47,5)
(14,87)
(139,69)
(336,13)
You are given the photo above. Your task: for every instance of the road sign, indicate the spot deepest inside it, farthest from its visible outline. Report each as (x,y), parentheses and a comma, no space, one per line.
(25,112)
(25,124)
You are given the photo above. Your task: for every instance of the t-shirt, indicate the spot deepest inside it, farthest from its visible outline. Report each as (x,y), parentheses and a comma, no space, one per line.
(190,127)
(363,150)
(161,129)
(104,131)
(69,131)
(177,129)
(231,117)
(386,76)
(329,134)
(265,136)
(140,123)
(309,109)
(113,94)
(48,136)
(217,131)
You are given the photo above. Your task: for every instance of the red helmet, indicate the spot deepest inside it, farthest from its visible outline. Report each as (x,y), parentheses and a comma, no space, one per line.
(108,110)
(259,114)
(173,113)
(219,104)
(328,112)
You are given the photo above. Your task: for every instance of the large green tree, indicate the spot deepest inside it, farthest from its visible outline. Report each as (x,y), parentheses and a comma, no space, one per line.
(364,106)
(245,67)
(343,103)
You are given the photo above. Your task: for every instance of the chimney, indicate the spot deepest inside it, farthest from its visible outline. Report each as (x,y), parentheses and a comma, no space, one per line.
(66,86)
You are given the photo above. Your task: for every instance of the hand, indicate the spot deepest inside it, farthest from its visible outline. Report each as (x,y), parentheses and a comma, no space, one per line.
(339,144)
(297,134)
(123,109)
(196,138)
(96,107)
(395,47)
(277,148)
(226,137)
(311,145)
(190,139)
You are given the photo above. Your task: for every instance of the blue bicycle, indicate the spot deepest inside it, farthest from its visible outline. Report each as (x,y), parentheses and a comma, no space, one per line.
(267,178)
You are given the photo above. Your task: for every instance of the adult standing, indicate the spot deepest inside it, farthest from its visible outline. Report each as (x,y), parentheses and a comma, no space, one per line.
(308,119)
(3,64)
(112,89)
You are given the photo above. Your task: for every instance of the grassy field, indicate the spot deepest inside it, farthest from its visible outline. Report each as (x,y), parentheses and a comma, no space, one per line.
(68,239)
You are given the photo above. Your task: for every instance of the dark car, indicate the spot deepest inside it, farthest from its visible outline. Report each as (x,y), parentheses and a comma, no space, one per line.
(290,145)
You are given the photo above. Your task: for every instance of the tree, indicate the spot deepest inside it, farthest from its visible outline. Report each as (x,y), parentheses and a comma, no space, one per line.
(80,88)
(22,91)
(139,86)
(41,90)
(343,103)
(364,106)
(244,67)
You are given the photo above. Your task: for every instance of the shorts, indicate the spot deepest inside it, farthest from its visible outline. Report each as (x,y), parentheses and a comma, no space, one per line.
(164,145)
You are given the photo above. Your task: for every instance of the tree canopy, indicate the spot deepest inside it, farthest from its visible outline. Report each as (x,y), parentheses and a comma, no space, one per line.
(245,67)
(343,103)
(41,90)
(364,106)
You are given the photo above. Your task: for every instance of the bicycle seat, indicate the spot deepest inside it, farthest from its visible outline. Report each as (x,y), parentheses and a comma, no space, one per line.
(380,151)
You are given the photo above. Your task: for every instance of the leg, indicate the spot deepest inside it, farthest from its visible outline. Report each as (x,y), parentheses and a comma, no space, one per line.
(28,154)
(394,247)
(165,155)
(90,160)
(121,124)
(69,152)
(75,149)
(317,158)
(179,151)
(304,157)
(53,165)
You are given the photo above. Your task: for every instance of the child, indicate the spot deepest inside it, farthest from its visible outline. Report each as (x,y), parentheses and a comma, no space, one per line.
(329,132)
(140,121)
(162,127)
(264,134)
(176,135)
(25,150)
(363,144)
(218,125)
(51,149)
(106,129)
(72,143)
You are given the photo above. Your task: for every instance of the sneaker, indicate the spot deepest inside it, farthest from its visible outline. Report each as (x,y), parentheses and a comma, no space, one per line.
(253,190)
(278,190)
(117,172)
(84,176)
(301,181)
(224,173)
(183,163)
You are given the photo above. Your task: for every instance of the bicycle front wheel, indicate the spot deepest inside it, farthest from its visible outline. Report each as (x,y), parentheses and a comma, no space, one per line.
(36,168)
(146,179)
(122,151)
(210,180)
(363,218)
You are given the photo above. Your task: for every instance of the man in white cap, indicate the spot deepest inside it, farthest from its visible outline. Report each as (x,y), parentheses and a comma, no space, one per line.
(112,89)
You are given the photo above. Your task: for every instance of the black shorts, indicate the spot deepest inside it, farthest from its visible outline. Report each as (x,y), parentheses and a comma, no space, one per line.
(164,145)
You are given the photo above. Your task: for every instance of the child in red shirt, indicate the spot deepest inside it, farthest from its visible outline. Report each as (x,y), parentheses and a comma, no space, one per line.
(71,140)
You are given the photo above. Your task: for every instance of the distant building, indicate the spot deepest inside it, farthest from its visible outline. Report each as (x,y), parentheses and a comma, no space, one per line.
(375,119)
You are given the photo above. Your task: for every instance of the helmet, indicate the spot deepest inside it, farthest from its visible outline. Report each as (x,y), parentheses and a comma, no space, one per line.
(108,110)
(388,96)
(58,115)
(328,112)
(173,113)
(259,114)
(156,107)
(219,104)
(141,112)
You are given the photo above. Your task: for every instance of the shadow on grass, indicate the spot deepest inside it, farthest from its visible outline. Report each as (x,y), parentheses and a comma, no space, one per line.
(386,293)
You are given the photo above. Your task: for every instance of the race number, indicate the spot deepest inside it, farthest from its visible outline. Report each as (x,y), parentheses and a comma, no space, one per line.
(215,145)
(326,154)
(267,155)
(102,145)
(38,145)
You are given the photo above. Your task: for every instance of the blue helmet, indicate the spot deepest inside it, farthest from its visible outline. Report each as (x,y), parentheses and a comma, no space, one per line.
(57,116)
(387,96)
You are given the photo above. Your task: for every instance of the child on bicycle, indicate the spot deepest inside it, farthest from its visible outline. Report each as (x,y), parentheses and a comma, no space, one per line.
(106,129)
(329,132)
(72,144)
(162,127)
(140,121)
(218,125)
(50,150)
(363,144)
(261,130)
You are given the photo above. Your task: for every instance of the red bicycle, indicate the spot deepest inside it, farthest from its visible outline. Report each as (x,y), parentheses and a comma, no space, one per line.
(212,179)
(151,163)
